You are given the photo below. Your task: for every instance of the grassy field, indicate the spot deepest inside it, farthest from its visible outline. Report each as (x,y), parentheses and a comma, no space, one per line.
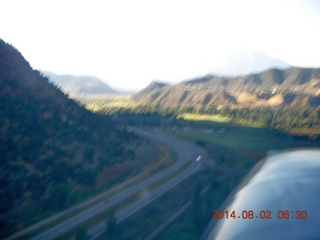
(105,105)
(239,141)
(227,143)
(203,117)
(305,131)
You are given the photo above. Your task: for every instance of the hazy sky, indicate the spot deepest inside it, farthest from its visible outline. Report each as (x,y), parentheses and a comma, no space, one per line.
(130,43)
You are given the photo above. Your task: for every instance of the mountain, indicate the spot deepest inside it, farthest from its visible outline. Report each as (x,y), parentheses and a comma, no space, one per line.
(51,149)
(246,62)
(293,87)
(152,91)
(80,85)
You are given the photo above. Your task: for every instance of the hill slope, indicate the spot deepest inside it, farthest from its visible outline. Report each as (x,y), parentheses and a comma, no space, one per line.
(50,147)
(293,87)
(78,85)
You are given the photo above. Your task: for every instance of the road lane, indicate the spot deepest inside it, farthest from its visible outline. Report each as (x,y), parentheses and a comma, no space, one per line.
(142,202)
(186,152)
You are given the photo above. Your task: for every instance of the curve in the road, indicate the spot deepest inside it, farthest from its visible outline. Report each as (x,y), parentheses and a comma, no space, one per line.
(186,152)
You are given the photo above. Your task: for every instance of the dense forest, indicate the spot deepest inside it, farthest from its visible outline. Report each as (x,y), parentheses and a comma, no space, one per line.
(51,149)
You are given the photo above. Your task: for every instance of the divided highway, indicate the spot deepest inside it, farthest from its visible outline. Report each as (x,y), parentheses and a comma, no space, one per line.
(186,151)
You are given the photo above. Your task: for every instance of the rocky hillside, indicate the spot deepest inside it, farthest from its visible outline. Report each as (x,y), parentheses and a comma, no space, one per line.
(50,147)
(293,87)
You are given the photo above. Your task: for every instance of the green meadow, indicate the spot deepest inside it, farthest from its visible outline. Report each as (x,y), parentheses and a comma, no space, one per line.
(203,117)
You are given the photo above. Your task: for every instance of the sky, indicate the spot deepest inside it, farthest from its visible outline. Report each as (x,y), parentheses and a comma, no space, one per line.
(129,43)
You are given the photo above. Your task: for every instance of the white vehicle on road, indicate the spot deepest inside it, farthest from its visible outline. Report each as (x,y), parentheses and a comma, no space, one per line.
(198,158)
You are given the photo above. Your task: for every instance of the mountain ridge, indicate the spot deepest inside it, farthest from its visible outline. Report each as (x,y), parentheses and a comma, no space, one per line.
(292,87)
(76,85)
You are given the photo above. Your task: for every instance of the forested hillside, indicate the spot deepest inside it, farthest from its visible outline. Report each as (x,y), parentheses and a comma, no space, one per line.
(50,147)
(282,99)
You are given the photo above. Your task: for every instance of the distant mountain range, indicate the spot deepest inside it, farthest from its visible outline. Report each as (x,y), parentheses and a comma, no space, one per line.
(247,62)
(293,87)
(77,86)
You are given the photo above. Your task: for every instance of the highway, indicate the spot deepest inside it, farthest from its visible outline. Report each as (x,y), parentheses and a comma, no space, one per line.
(186,151)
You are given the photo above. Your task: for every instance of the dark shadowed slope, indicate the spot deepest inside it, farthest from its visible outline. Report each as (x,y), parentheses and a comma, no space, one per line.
(50,148)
